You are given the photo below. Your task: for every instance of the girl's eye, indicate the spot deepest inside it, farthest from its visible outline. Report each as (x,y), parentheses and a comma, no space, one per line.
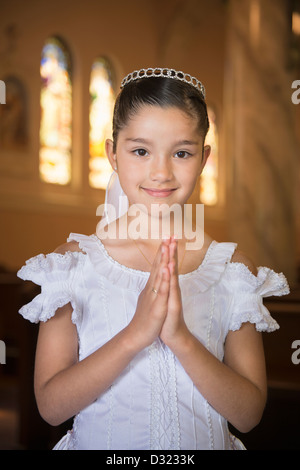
(141,152)
(182,154)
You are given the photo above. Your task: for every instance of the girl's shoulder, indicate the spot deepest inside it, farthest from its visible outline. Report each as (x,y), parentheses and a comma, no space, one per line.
(240,257)
(72,246)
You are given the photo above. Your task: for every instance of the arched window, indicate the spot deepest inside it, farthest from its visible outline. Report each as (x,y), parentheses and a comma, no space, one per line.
(102,99)
(209,176)
(56,113)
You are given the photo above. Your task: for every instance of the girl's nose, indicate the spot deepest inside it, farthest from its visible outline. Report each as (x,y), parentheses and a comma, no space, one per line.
(161,170)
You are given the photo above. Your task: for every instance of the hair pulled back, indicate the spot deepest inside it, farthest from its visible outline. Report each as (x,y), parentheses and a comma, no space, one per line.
(158,91)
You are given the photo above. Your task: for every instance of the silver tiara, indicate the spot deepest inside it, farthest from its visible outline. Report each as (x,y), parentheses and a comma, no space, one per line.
(165,73)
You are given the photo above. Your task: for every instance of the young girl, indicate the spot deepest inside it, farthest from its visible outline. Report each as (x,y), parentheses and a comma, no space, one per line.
(148,344)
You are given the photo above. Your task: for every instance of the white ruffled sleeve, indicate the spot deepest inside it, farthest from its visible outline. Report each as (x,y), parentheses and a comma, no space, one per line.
(56,274)
(248,294)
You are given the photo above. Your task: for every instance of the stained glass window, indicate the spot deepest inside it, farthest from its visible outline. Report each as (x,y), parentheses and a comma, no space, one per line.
(102,99)
(56,113)
(209,176)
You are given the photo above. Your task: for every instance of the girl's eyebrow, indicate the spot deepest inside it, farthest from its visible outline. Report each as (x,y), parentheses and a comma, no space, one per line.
(138,140)
(141,140)
(187,142)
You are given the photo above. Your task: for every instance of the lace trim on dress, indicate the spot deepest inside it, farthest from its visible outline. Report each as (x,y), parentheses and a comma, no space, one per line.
(199,280)
(248,292)
(262,320)
(53,266)
(43,307)
(54,273)
(267,282)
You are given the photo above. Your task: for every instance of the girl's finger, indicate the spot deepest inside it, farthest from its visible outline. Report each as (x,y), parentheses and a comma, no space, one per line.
(155,277)
(163,289)
(161,258)
(173,268)
(159,254)
(173,262)
(155,267)
(160,290)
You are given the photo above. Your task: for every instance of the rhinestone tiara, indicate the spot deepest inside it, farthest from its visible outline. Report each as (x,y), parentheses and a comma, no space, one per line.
(165,73)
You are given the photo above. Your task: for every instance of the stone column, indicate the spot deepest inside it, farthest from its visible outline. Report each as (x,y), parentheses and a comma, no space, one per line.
(261,147)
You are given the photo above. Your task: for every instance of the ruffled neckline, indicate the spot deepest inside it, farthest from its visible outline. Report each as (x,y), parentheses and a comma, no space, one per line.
(146,273)
(199,280)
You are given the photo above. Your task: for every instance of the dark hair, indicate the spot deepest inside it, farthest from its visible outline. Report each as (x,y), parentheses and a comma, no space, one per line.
(158,91)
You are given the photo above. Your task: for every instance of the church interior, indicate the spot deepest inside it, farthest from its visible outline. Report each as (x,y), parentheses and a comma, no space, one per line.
(62,64)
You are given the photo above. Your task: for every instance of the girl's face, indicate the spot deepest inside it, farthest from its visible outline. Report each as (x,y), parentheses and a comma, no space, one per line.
(159,156)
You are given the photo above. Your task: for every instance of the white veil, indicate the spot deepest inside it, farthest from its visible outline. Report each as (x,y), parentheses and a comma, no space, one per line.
(116,202)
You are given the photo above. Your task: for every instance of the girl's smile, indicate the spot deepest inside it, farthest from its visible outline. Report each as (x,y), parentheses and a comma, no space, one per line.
(160,193)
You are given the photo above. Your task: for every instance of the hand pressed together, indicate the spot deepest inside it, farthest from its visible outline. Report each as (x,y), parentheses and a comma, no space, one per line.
(174,327)
(159,308)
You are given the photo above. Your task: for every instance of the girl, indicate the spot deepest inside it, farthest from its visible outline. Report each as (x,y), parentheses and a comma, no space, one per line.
(147,344)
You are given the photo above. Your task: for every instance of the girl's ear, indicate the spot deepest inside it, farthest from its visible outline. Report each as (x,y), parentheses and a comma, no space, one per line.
(206,152)
(112,157)
(205,155)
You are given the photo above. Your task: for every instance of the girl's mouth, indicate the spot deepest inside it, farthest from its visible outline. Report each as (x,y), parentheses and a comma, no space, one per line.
(159,192)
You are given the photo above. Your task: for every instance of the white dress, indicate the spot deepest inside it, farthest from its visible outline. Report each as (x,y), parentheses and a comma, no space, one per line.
(153,404)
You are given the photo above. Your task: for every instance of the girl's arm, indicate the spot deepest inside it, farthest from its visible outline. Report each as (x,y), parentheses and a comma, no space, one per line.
(235,388)
(64,385)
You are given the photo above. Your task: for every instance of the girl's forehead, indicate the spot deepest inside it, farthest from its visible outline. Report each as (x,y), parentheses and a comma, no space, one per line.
(148,109)
(149,117)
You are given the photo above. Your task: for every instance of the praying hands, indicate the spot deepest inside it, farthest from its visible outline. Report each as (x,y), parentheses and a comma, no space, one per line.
(159,308)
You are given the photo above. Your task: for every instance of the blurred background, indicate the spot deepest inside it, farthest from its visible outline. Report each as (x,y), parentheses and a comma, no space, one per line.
(62,63)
